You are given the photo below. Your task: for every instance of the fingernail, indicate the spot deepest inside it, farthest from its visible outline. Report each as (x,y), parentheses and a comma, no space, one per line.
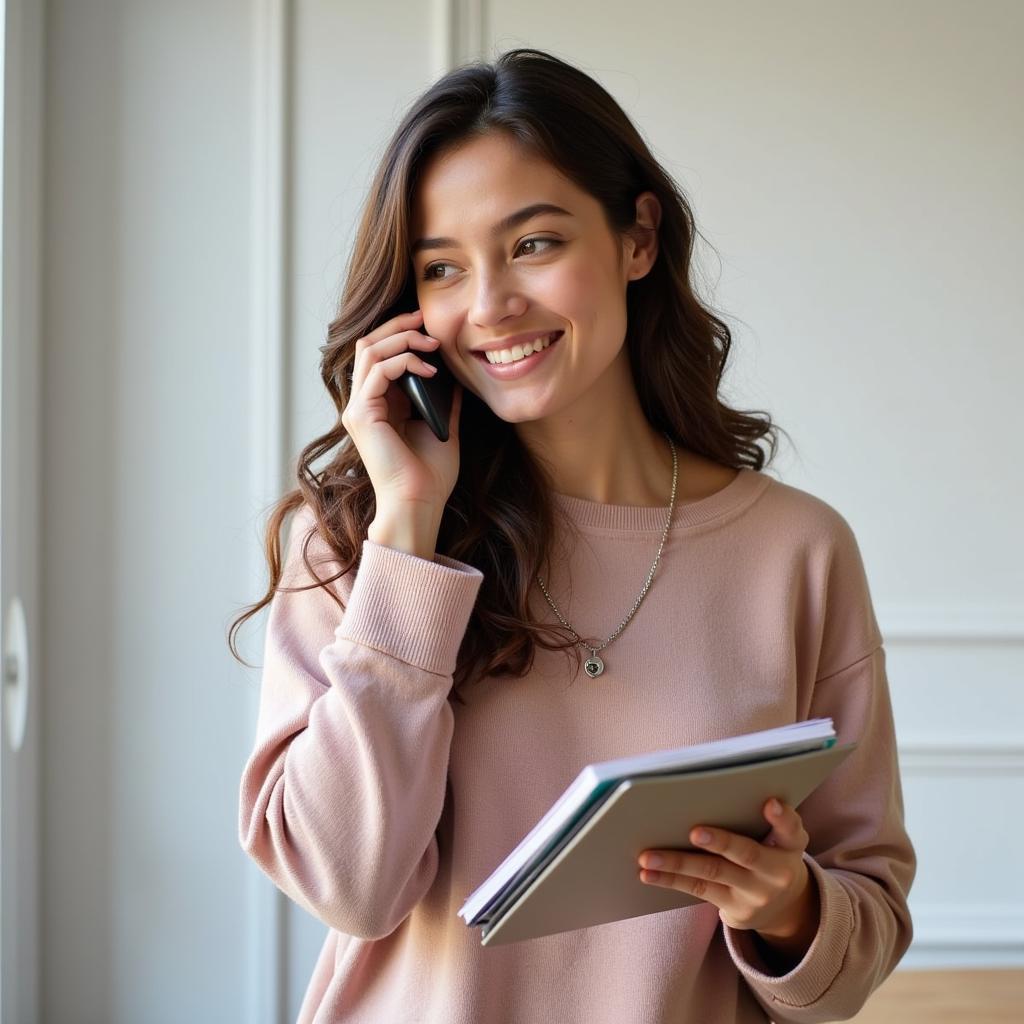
(775,807)
(703,836)
(655,860)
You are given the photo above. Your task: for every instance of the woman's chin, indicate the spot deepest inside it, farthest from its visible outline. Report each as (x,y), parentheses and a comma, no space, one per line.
(519,411)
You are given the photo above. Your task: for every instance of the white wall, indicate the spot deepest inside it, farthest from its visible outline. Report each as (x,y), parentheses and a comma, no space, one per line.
(856,167)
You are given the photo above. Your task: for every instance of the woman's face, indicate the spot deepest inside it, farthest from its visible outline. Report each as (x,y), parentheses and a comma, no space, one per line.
(478,283)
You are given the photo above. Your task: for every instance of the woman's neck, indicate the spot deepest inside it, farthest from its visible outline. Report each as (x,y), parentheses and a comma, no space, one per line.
(616,466)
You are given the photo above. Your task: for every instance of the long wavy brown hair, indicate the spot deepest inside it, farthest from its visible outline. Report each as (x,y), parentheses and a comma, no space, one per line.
(500,514)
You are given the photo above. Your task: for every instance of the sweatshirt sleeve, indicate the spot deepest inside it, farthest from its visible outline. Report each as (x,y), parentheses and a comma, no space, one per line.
(859,854)
(342,793)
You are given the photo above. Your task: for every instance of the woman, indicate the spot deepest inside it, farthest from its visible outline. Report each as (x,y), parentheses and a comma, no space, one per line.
(597,498)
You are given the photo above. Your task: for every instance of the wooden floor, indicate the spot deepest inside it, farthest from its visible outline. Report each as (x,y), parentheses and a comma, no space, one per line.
(947,997)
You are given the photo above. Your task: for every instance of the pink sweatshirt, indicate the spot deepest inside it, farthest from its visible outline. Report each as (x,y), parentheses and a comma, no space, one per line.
(378,805)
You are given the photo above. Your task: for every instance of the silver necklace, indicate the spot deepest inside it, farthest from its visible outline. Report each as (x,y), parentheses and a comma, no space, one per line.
(594,666)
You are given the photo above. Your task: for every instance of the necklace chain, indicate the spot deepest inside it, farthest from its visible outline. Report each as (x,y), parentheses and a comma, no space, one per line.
(594,665)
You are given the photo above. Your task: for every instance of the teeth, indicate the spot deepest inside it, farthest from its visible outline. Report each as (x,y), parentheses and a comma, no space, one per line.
(517,352)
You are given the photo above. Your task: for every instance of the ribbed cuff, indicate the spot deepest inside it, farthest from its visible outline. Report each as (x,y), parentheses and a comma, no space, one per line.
(810,978)
(411,608)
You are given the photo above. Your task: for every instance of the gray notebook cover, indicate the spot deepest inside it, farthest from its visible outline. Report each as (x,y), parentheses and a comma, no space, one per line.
(595,877)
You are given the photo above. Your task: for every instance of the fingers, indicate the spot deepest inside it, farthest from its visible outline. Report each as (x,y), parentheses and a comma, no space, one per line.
(748,855)
(402,322)
(736,873)
(370,354)
(788,831)
(390,368)
(712,892)
(740,850)
(787,835)
(713,872)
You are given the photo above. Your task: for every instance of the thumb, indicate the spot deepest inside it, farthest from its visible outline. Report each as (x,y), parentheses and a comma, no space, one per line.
(787,827)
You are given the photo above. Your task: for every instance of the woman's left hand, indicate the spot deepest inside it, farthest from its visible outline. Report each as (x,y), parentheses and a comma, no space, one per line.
(764,886)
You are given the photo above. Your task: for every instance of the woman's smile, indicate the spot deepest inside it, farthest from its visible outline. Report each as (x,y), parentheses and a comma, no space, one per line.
(514,368)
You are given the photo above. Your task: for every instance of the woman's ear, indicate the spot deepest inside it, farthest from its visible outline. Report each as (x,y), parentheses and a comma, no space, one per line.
(643,236)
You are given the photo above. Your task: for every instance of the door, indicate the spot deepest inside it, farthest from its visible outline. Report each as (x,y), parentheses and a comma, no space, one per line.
(21,80)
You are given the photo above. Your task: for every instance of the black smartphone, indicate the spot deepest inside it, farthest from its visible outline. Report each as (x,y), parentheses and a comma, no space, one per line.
(431,397)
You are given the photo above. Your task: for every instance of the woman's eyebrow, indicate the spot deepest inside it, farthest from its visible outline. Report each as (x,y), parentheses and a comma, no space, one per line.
(513,220)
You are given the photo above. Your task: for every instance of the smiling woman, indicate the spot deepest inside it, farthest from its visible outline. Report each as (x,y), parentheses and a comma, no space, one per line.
(516,201)
(417,714)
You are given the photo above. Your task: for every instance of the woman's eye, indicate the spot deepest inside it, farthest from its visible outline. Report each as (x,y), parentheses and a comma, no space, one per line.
(428,271)
(528,241)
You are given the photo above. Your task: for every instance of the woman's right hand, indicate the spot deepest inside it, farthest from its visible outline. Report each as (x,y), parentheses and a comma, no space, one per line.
(407,464)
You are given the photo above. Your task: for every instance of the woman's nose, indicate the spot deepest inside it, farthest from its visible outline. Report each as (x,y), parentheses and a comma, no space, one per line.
(495,300)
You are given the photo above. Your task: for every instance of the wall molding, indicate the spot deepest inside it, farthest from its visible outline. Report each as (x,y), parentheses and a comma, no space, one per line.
(951,926)
(952,623)
(267,989)
(459,31)
(972,756)
(956,932)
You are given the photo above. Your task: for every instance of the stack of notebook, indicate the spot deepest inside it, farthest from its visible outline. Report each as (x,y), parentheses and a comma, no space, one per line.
(578,866)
